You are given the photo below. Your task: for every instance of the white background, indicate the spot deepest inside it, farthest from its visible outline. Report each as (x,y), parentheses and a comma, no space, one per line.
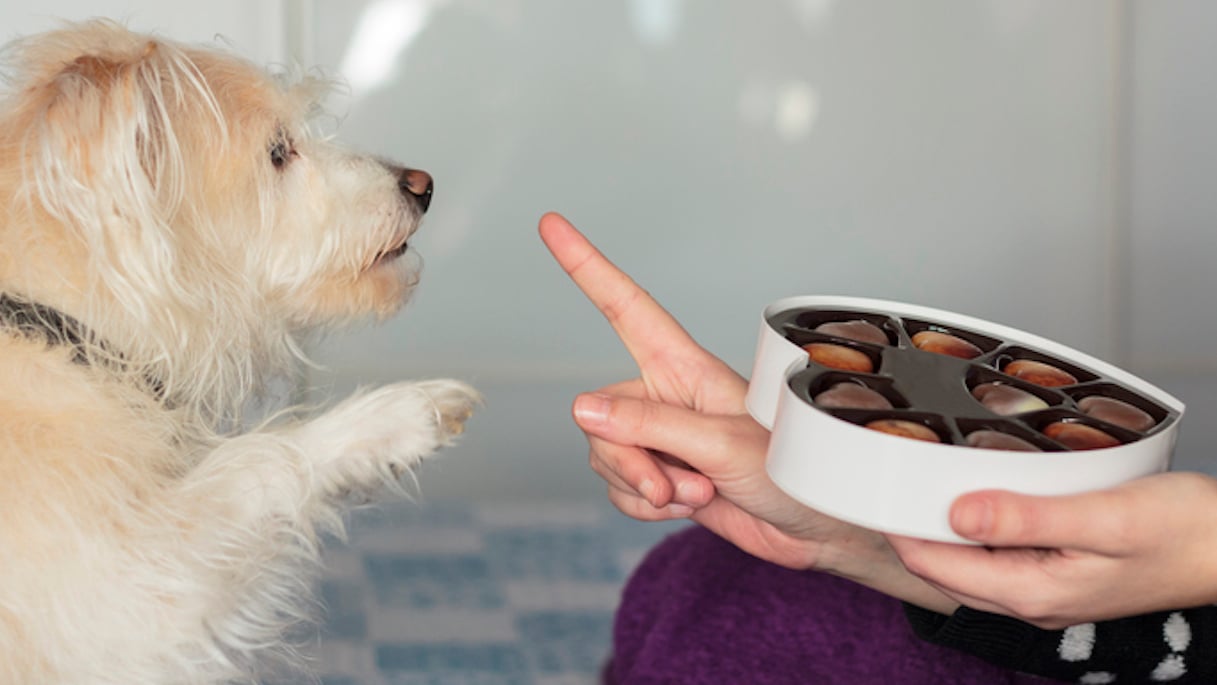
(1051,166)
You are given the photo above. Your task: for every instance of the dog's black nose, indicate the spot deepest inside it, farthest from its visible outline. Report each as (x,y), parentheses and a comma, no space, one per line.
(417,184)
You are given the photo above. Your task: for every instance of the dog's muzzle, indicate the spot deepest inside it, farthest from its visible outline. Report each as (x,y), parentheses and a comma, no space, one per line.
(414,184)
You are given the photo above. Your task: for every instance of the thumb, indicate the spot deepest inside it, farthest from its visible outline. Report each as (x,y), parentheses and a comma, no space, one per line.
(708,443)
(1000,518)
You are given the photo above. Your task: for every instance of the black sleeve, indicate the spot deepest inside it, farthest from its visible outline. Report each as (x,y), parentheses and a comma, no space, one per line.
(1169,646)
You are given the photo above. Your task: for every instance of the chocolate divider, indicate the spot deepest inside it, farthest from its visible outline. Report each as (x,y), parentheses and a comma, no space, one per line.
(802,383)
(954,412)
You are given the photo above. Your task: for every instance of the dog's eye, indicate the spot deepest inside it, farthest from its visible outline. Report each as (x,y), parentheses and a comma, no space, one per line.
(281,152)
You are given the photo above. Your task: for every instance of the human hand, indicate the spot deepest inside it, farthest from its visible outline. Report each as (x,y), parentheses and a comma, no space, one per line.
(677,441)
(1143,546)
(673,370)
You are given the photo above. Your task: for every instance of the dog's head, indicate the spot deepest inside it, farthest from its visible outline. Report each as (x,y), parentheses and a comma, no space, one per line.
(157,190)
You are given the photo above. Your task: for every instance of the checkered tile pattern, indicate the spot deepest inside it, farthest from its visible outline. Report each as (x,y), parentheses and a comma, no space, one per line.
(456,593)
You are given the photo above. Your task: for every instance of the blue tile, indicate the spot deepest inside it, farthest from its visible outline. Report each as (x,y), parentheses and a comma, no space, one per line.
(560,645)
(457,678)
(566,641)
(576,554)
(440,514)
(623,531)
(444,567)
(344,615)
(429,582)
(491,658)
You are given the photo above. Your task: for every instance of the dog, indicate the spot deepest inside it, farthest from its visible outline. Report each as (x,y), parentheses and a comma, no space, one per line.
(172,233)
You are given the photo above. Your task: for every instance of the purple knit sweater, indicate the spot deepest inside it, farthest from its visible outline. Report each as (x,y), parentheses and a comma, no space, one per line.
(698,611)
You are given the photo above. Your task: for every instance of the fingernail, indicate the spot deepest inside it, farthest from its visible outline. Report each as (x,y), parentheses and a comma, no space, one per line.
(680,510)
(647,489)
(688,492)
(592,408)
(972,517)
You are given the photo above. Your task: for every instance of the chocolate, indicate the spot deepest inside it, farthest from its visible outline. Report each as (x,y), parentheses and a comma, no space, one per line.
(1007,400)
(1039,373)
(997,440)
(846,395)
(860,330)
(930,378)
(839,357)
(1117,412)
(904,429)
(1079,436)
(945,343)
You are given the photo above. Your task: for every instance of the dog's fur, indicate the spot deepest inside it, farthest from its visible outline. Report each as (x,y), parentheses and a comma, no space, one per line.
(170,203)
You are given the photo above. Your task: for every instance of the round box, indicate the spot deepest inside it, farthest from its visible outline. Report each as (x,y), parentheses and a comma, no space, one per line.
(826,458)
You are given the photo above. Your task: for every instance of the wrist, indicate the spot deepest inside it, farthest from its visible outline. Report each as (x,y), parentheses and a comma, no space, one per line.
(865,557)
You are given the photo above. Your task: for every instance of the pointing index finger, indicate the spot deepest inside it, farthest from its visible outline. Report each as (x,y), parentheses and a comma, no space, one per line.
(645,327)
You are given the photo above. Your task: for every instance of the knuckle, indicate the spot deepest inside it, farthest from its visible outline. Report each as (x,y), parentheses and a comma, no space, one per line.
(1015,520)
(627,417)
(746,433)
(646,415)
(615,309)
(596,464)
(634,507)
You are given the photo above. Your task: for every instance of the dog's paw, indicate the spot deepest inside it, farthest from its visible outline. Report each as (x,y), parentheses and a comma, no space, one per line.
(453,401)
(381,434)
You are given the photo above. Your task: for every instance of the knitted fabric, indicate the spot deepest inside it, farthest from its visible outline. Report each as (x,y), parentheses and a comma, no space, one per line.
(698,611)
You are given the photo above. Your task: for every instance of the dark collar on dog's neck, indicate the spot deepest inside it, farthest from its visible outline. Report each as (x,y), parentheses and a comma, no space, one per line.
(33,319)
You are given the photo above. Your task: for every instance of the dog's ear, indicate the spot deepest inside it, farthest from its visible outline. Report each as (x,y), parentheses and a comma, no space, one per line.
(106,158)
(104,125)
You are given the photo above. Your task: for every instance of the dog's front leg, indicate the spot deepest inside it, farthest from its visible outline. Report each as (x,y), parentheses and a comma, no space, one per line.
(368,440)
(374,438)
(256,500)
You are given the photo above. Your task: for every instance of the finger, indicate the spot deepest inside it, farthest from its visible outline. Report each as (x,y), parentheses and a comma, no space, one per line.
(631,470)
(952,569)
(1093,521)
(632,467)
(689,487)
(721,397)
(710,444)
(640,472)
(634,387)
(1018,582)
(638,508)
(646,329)
(940,562)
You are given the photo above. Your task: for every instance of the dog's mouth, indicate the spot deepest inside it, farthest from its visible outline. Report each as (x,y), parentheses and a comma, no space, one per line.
(392,253)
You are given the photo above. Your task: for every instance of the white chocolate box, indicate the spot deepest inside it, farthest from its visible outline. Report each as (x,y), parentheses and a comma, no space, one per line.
(894,484)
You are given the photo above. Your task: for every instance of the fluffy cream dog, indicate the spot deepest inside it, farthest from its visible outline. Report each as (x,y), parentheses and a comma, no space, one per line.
(168,231)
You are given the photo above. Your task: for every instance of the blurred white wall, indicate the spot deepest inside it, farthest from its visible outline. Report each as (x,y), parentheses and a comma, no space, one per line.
(957,154)
(259,30)
(1043,164)
(1172,200)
